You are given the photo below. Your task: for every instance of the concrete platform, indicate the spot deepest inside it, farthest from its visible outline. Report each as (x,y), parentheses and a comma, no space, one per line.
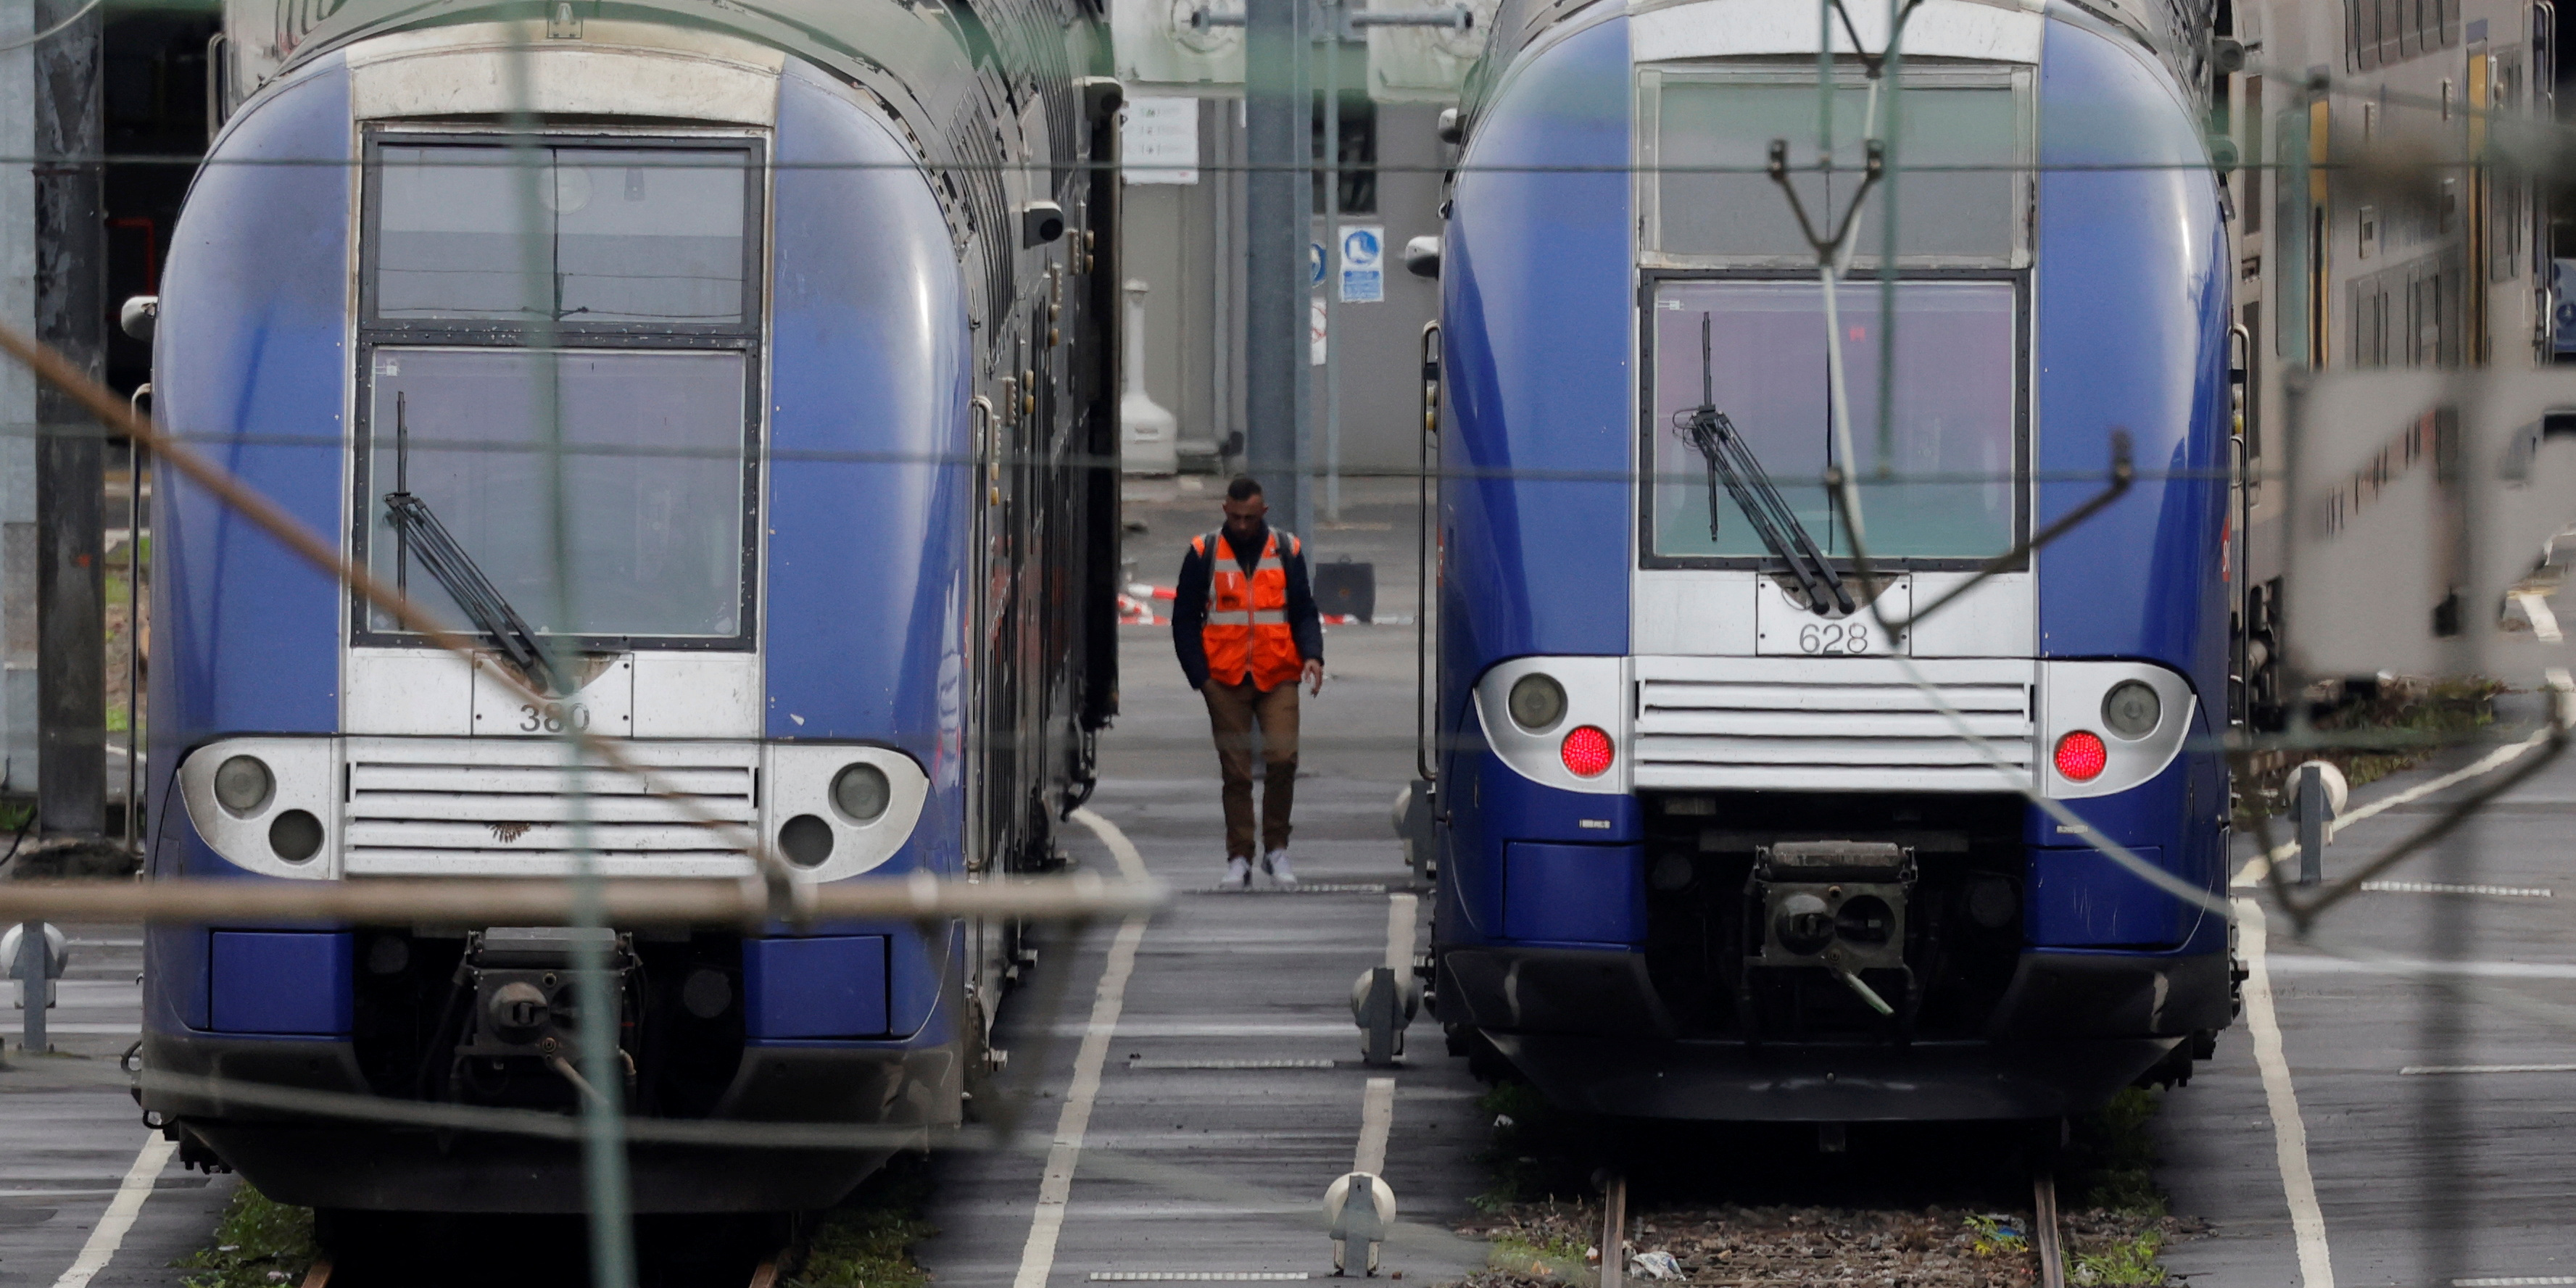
(70,1134)
(2419,1178)
(1187,1166)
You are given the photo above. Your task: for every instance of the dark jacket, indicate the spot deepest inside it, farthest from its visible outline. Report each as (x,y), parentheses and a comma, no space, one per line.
(1189,607)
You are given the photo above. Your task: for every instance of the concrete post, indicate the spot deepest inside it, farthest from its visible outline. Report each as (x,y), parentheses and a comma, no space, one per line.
(34,969)
(71,573)
(2313,811)
(17,409)
(1275,230)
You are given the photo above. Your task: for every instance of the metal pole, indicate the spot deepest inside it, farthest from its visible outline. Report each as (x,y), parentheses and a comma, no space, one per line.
(1274,313)
(35,969)
(134,458)
(71,577)
(2311,811)
(1332,261)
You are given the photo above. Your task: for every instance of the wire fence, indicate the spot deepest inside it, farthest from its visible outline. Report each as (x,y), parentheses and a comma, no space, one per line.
(1817,168)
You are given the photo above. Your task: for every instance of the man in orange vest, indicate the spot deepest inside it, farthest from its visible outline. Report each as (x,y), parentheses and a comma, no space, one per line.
(1245,626)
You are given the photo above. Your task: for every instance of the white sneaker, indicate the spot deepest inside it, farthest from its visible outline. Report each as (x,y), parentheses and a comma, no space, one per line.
(1238,875)
(1276,864)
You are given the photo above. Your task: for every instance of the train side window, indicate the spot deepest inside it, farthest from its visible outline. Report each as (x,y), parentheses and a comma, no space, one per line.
(2251,208)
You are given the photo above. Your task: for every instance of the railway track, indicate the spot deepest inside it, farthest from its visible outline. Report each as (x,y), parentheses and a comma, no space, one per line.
(2047,1238)
(513,1258)
(765,1275)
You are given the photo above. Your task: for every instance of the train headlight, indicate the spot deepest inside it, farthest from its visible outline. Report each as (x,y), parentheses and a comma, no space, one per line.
(243,784)
(2081,756)
(1587,752)
(807,841)
(2131,709)
(296,835)
(861,793)
(1537,702)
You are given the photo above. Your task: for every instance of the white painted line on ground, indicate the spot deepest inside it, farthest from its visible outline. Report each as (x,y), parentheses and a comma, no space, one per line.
(2412,968)
(1192,1029)
(2426,1070)
(109,1234)
(1307,887)
(1198,1276)
(1400,912)
(2439,887)
(2289,1134)
(2257,867)
(2544,623)
(1377,1118)
(2513,1281)
(1131,865)
(1232,1064)
(1055,1185)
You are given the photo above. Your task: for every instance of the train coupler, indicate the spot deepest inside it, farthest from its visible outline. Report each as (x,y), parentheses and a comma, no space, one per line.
(526,1000)
(1838,906)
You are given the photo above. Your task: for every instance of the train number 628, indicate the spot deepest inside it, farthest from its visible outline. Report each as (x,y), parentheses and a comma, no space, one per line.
(1833,637)
(554,716)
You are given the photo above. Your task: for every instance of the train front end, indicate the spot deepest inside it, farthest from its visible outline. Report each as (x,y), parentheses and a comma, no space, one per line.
(1717,842)
(677,376)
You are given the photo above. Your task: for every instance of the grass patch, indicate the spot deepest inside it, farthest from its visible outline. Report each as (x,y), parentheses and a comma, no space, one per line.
(1535,1151)
(867,1241)
(1537,1257)
(2111,1156)
(2397,725)
(2128,1263)
(259,1243)
(1996,1236)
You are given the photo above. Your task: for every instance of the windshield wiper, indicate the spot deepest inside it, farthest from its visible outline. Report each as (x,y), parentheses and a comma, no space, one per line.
(418,532)
(1733,467)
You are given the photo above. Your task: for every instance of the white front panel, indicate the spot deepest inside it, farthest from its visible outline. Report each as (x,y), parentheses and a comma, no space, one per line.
(603,705)
(1786,628)
(512,807)
(1998,617)
(612,69)
(649,694)
(1691,611)
(1832,724)
(683,694)
(1734,28)
(425,691)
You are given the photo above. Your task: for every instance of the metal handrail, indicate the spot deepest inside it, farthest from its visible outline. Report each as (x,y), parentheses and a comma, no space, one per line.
(1425,494)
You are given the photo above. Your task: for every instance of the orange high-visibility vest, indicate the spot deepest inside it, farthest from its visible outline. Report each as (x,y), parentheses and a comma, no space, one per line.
(1247,617)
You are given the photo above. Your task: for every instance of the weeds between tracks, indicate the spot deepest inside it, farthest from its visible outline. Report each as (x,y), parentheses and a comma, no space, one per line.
(864,1242)
(1930,1205)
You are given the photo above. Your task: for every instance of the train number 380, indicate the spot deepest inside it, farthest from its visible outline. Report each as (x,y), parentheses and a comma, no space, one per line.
(1833,637)
(555,717)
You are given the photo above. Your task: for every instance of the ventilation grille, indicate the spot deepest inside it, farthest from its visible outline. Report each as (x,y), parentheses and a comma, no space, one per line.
(1828,724)
(506,807)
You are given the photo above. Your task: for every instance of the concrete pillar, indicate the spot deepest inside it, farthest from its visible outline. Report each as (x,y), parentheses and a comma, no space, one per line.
(17,409)
(71,315)
(1277,135)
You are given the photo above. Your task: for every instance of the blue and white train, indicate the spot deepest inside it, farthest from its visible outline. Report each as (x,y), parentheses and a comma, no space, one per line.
(824,288)
(1707,848)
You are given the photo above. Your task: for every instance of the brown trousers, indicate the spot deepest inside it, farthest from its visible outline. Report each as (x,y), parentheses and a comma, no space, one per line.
(1233,709)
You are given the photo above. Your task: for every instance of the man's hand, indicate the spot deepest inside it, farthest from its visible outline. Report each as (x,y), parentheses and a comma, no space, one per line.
(1314,677)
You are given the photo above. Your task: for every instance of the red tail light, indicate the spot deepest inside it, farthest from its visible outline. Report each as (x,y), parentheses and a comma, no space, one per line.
(1586,752)
(2081,756)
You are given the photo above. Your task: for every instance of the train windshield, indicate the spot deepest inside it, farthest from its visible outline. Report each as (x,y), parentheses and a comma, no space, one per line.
(618,235)
(1963,139)
(656,471)
(1938,487)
